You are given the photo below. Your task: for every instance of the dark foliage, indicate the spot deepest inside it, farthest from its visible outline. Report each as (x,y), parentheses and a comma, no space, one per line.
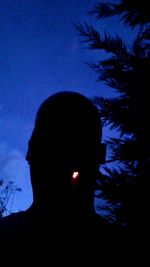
(7,195)
(127,71)
(132,12)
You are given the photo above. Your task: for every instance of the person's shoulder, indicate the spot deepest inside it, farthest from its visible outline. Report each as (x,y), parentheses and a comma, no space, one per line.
(12,222)
(108,230)
(6,220)
(16,221)
(15,237)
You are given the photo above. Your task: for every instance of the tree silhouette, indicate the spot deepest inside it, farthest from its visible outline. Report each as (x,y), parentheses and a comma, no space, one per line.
(127,71)
(7,195)
(132,12)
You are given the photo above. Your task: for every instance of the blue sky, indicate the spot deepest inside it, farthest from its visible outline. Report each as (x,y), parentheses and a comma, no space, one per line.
(40,54)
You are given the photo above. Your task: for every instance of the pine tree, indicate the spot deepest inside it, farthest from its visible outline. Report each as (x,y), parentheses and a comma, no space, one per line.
(126,70)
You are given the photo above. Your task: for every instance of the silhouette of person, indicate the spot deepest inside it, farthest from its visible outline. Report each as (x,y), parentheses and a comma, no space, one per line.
(64,154)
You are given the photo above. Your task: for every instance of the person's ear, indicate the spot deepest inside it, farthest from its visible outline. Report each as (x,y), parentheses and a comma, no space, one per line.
(102,153)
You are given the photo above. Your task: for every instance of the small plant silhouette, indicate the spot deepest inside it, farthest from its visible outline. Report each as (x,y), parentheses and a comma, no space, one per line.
(8,190)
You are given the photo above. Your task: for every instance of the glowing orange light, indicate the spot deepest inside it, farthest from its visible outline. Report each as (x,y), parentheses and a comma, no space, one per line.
(75,175)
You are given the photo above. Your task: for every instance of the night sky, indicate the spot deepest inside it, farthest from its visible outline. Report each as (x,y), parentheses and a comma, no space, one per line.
(40,54)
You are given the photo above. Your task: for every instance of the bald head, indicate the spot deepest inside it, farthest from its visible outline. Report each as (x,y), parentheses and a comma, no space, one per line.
(65,144)
(67,126)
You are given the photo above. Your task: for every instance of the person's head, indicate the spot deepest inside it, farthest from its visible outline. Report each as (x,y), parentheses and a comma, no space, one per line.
(65,148)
